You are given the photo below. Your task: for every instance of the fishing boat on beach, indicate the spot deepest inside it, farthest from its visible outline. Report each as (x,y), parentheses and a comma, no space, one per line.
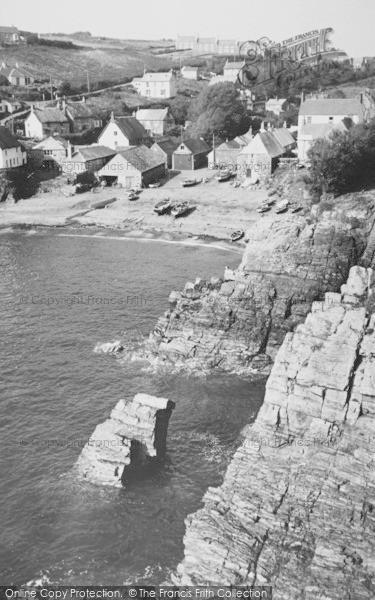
(282,206)
(102,203)
(132,196)
(295,207)
(263,208)
(180,209)
(237,235)
(189,182)
(163,206)
(223,175)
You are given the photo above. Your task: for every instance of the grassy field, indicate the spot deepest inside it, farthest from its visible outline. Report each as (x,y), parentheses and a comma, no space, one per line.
(102,63)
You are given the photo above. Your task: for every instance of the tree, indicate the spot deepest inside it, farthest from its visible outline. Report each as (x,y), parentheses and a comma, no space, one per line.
(218,110)
(344,161)
(179,108)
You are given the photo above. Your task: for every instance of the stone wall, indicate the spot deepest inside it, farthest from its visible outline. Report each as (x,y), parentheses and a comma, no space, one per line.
(136,431)
(296,509)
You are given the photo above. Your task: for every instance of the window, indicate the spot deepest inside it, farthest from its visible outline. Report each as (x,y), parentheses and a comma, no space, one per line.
(308,120)
(330,119)
(115,133)
(182,147)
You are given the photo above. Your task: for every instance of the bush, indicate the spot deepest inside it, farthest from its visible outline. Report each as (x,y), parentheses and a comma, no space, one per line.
(344,161)
(87,178)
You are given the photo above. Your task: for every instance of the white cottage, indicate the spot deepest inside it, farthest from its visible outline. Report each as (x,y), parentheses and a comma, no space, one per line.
(156,85)
(12,154)
(121,132)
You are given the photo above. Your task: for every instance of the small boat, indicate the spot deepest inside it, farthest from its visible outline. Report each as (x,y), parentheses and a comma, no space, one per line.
(189,182)
(282,206)
(154,185)
(237,235)
(163,206)
(136,190)
(263,208)
(102,203)
(223,175)
(180,209)
(295,207)
(132,196)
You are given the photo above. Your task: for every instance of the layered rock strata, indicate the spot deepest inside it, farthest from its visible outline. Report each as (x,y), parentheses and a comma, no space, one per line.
(296,509)
(134,434)
(238,323)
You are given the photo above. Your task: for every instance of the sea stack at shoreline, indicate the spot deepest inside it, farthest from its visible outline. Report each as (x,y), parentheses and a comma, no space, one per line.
(131,439)
(296,509)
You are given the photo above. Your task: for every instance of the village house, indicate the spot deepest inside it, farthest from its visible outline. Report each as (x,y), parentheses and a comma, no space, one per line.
(43,122)
(189,72)
(230,73)
(277,105)
(10,106)
(164,149)
(190,154)
(16,75)
(156,85)
(156,121)
(260,157)
(121,132)
(50,152)
(86,159)
(318,117)
(210,45)
(10,35)
(136,166)
(80,115)
(12,154)
(225,155)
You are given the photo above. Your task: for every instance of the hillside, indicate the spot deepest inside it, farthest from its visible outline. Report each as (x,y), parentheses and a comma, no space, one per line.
(72,64)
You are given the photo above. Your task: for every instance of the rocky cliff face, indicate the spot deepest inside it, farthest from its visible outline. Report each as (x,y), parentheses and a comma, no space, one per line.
(238,323)
(135,432)
(296,509)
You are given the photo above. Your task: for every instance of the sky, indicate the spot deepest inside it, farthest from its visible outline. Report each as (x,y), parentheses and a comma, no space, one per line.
(352,22)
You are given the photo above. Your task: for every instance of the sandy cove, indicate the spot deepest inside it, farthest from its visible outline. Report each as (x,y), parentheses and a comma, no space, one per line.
(220,209)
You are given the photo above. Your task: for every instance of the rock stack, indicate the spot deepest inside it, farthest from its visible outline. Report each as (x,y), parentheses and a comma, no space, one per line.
(134,434)
(296,509)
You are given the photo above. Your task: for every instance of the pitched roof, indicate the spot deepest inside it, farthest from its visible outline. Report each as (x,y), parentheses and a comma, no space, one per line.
(130,127)
(283,136)
(321,130)
(244,139)
(189,69)
(168,145)
(80,110)
(4,29)
(234,65)
(207,40)
(227,42)
(152,114)
(196,145)
(94,152)
(157,76)
(141,157)
(275,101)
(230,145)
(50,115)
(7,139)
(269,142)
(52,138)
(331,106)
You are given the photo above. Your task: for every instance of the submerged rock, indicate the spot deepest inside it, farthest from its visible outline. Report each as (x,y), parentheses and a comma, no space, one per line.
(296,509)
(109,348)
(134,434)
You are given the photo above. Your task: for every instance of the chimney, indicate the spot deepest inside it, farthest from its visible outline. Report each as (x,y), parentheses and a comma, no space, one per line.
(269,127)
(284,124)
(83,99)
(63,104)
(69,150)
(112,116)
(262,129)
(134,113)
(303,96)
